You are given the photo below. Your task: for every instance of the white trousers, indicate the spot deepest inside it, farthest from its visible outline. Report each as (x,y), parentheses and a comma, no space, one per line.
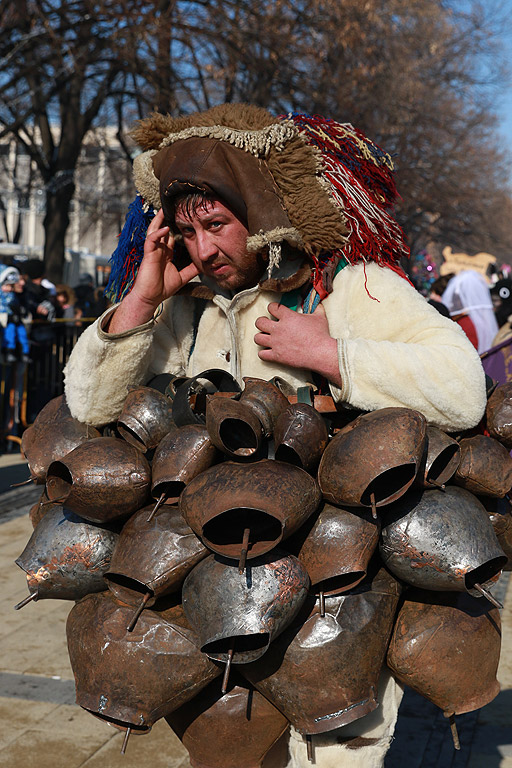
(361,744)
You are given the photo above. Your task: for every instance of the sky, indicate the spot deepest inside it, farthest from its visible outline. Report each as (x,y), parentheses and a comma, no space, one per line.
(504,109)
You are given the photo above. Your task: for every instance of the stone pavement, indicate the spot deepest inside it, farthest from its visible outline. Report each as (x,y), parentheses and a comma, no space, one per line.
(42,727)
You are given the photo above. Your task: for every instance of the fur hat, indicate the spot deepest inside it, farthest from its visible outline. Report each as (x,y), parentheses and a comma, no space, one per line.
(320,186)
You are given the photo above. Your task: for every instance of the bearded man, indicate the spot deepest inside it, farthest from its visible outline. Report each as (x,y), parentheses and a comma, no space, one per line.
(273,253)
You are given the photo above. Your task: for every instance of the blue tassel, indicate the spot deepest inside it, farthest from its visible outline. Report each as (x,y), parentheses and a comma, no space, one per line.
(125,261)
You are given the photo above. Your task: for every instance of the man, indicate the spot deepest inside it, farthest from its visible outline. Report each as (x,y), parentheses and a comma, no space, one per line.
(272,253)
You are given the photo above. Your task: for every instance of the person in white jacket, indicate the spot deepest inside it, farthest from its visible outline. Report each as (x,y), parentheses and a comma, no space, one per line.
(269,226)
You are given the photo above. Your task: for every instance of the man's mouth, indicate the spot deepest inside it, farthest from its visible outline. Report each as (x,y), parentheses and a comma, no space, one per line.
(219,269)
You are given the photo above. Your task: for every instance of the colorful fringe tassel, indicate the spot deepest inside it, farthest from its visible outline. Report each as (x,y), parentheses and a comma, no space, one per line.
(127,257)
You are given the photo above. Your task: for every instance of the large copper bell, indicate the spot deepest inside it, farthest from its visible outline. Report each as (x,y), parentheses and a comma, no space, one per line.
(189,403)
(325,673)
(447,648)
(237,615)
(101,480)
(248,506)
(265,400)
(237,729)
(338,548)
(441,461)
(180,456)
(300,436)
(53,434)
(153,557)
(38,510)
(374,459)
(66,556)
(500,515)
(131,679)
(499,414)
(441,540)
(485,466)
(238,426)
(234,429)
(146,418)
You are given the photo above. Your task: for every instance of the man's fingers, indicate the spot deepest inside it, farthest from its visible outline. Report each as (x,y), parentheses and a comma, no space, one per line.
(262,340)
(188,273)
(277,310)
(264,324)
(156,222)
(158,234)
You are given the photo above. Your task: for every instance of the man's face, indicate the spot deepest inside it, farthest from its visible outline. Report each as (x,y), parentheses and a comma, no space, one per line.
(216,241)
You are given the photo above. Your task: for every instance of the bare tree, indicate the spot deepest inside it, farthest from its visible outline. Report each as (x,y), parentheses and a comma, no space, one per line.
(60,62)
(416,75)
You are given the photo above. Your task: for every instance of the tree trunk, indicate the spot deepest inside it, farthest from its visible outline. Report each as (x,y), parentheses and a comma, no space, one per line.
(56,222)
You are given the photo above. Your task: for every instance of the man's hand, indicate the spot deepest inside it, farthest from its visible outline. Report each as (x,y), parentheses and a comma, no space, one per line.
(157,279)
(297,340)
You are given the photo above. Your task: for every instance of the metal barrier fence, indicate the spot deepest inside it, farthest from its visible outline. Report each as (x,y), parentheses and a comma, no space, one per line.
(26,387)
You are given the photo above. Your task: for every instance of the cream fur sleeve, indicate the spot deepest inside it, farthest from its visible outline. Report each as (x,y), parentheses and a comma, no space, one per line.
(103,365)
(394,349)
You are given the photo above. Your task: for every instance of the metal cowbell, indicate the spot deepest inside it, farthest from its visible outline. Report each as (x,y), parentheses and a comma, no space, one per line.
(101,480)
(338,548)
(373,460)
(179,457)
(442,458)
(189,403)
(237,729)
(234,428)
(446,646)
(265,400)
(499,414)
(38,510)
(500,515)
(131,679)
(66,557)
(300,436)
(323,673)
(441,540)
(239,426)
(53,434)
(153,556)
(235,615)
(146,418)
(270,499)
(485,466)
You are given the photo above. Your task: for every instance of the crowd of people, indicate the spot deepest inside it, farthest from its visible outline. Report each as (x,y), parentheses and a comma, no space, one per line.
(39,323)
(29,303)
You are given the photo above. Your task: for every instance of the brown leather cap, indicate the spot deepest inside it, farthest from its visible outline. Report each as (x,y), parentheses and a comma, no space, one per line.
(242,181)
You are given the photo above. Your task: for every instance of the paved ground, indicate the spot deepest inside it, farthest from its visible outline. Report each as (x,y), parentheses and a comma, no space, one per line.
(43,728)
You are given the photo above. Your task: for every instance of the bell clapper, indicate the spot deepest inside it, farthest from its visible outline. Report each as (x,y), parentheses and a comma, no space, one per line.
(435,484)
(485,592)
(23,603)
(453,728)
(125,742)
(25,482)
(227,669)
(138,612)
(321,596)
(374,506)
(52,501)
(243,553)
(157,506)
(309,746)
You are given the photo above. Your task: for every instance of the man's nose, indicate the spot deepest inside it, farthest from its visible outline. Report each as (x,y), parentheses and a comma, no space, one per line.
(206,247)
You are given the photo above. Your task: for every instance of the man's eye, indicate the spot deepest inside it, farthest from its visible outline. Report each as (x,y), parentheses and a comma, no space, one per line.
(186,232)
(215,224)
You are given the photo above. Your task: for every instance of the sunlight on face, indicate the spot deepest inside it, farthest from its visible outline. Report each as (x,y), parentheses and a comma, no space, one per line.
(216,241)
